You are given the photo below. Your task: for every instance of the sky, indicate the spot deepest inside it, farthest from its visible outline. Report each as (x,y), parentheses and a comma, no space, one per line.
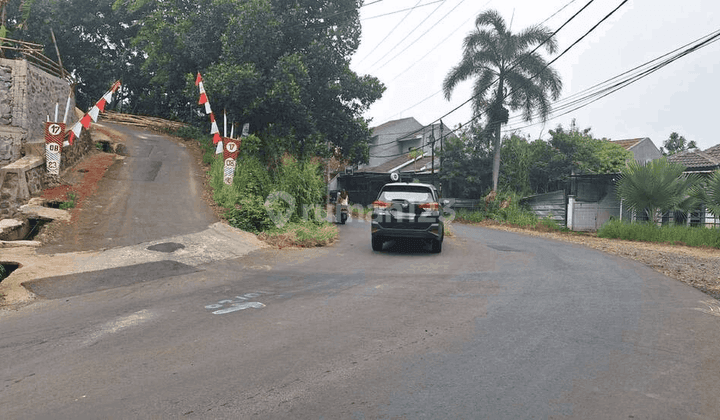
(411,52)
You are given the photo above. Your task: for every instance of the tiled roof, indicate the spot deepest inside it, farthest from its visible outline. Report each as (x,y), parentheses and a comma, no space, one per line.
(628,143)
(714,151)
(695,159)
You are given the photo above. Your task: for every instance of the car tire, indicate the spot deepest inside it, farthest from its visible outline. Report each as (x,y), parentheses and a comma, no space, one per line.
(377,244)
(437,246)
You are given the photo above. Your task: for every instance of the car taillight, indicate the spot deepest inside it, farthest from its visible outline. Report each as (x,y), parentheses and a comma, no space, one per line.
(430,206)
(380,204)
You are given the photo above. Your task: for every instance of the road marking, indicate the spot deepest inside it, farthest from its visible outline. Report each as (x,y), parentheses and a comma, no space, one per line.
(238,303)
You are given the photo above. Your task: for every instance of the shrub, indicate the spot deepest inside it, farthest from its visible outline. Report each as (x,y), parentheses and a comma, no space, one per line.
(249,215)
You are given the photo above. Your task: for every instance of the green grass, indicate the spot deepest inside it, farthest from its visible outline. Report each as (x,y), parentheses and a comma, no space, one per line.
(648,232)
(70,202)
(303,234)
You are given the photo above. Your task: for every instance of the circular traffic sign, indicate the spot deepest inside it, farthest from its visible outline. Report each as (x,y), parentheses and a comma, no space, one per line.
(231,147)
(54,129)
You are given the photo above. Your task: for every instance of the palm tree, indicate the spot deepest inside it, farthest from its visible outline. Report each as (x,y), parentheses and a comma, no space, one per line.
(493,53)
(656,187)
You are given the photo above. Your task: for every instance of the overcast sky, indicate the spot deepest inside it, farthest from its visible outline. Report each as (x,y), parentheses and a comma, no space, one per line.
(680,97)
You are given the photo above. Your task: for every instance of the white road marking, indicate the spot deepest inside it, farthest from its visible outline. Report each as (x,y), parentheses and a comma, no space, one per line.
(239,307)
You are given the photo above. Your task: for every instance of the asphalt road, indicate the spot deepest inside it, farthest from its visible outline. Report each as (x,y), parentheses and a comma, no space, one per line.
(497,326)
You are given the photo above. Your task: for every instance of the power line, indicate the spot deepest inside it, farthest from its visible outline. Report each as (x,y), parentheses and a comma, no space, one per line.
(525,56)
(599,91)
(415,62)
(403,10)
(408,35)
(392,30)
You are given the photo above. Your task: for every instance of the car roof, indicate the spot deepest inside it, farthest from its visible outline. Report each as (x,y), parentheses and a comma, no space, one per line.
(413,184)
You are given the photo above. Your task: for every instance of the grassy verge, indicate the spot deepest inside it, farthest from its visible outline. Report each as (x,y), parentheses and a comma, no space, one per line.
(648,232)
(244,201)
(305,235)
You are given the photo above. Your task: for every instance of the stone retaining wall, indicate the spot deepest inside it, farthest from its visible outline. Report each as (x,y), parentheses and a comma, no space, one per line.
(27,96)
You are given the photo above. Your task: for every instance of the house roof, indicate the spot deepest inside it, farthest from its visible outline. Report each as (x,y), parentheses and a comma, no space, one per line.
(628,143)
(384,126)
(697,159)
(714,151)
(409,165)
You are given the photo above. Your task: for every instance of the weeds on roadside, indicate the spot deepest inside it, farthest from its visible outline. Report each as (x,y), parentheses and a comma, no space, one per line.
(70,202)
(305,235)
(648,232)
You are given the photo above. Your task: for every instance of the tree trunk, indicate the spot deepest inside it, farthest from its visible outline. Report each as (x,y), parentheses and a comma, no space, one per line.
(496,158)
(498,124)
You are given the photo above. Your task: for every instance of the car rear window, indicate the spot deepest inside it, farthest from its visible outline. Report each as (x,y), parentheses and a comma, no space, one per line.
(409,193)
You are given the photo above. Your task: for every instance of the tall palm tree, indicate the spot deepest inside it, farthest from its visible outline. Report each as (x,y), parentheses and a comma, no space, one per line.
(493,53)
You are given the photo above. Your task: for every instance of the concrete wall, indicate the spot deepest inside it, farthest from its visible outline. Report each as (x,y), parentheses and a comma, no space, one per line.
(645,151)
(27,96)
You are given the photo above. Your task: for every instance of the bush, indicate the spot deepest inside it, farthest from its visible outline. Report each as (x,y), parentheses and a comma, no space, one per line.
(302,181)
(250,215)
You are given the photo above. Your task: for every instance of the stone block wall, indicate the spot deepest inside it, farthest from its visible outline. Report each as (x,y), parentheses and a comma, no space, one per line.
(27,96)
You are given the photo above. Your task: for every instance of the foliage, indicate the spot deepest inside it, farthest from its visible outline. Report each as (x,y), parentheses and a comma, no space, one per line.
(676,143)
(70,202)
(650,232)
(303,181)
(583,154)
(249,215)
(530,167)
(708,193)
(301,234)
(467,163)
(93,38)
(655,188)
(505,208)
(283,68)
(524,79)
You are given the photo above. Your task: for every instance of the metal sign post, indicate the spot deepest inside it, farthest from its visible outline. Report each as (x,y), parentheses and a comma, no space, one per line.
(54,133)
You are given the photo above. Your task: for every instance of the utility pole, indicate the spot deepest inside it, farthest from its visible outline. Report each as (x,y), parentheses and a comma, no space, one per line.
(441,145)
(432,159)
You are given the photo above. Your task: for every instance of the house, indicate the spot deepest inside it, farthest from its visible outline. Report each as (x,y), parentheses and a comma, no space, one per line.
(643,149)
(394,140)
(698,161)
(590,200)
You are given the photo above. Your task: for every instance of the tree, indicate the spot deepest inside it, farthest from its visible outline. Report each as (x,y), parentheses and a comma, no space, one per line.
(708,193)
(655,187)
(492,53)
(281,66)
(677,143)
(584,154)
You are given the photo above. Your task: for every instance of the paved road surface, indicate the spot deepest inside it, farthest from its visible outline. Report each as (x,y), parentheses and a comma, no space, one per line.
(498,325)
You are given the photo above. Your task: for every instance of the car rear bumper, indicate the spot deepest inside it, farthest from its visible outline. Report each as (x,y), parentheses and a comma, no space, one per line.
(433,231)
